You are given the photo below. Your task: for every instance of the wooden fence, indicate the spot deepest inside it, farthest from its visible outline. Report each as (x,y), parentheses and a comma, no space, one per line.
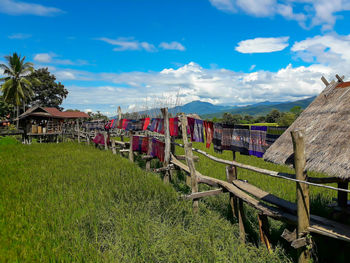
(240,191)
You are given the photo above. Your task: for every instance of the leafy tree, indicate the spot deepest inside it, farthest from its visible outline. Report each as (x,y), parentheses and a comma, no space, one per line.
(16,88)
(296,110)
(5,108)
(97,116)
(260,119)
(273,116)
(47,93)
(286,119)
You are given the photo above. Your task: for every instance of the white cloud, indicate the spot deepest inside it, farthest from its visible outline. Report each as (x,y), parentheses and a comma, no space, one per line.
(19,36)
(123,44)
(311,12)
(332,50)
(172,46)
(262,45)
(12,7)
(52,58)
(252,67)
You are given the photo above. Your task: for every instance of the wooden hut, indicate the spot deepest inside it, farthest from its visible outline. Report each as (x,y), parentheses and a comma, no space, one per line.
(46,121)
(327,136)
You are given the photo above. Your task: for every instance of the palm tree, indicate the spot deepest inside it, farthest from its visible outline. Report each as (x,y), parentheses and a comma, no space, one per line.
(16,88)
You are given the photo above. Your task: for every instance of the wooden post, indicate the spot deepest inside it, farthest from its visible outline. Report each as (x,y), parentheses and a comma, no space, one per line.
(343,196)
(106,141)
(165,113)
(119,120)
(78,130)
(131,153)
(189,160)
(148,162)
(113,147)
(264,230)
(303,202)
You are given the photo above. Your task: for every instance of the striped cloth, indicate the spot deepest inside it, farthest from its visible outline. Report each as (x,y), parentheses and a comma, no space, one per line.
(227,131)
(158,148)
(140,144)
(174,126)
(209,132)
(240,139)
(217,137)
(273,133)
(198,131)
(257,143)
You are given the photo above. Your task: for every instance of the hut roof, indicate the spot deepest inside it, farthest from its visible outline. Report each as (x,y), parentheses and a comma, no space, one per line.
(327,134)
(53,112)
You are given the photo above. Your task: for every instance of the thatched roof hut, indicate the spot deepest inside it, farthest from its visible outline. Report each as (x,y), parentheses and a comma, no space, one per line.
(327,133)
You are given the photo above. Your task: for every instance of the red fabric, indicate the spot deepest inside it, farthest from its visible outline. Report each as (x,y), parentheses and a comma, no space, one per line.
(146,123)
(160,150)
(99,139)
(174,126)
(111,124)
(135,143)
(209,132)
(120,124)
(125,123)
(144,145)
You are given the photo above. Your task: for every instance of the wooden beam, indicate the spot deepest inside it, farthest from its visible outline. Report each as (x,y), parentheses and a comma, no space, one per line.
(183,158)
(203,194)
(324,80)
(339,78)
(189,160)
(131,152)
(167,149)
(264,230)
(303,202)
(114,151)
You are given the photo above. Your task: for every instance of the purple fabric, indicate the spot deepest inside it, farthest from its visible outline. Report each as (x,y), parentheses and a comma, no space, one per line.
(257,143)
(198,131)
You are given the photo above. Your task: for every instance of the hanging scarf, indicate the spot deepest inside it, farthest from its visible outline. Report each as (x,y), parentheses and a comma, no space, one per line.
(227,131)
(140,144)
(99,139)
(125,124)
(158,149)
(257,143)
(160,127)
(198,131)
(174,126)
(146,123)
(154,125)
(240,139)
(209,132)
(217,137)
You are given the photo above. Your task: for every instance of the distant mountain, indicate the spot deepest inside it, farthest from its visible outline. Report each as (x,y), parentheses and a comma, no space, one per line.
(261,108)
(200,107)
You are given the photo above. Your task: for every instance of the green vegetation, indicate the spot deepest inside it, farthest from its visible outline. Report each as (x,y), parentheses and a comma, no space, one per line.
(74,203)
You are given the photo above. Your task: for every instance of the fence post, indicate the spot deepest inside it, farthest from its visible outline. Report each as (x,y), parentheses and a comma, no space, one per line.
(303,203)
(189,160)
(106,141)
(264,230)
(119,120)
(113,147)
(131,153)
(165,113)
(78,130)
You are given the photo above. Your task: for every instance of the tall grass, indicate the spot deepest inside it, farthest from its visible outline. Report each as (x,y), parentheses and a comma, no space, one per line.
(72,203)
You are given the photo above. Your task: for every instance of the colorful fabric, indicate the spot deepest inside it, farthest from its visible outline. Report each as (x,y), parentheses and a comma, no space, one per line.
(120,124)
(140,144)
(257,143)
(217,137)
(273,133)
(99,139)
(174,126)
(227,131)
(190,127)
(240,139)
(113,123)
(209,132)
(158,148)
(125,124)
(198,131)
(154,125)
(160,127)
(146,123)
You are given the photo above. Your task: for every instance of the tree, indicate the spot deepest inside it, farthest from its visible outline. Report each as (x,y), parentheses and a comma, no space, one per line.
(273,116)
(16,88)
(286,119)
(296,110)
(47,93)
(5,108)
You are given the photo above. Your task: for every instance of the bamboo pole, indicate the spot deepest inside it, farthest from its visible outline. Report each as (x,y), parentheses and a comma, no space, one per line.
(113,147)
(106,141)
(165,113)
(189,160)
(303,202)
(264,230)
(119,120)
(131,153)
(78,129)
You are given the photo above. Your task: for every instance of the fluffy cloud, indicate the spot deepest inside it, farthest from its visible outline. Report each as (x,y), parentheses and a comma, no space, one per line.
(123,44)
(332,50)
(172,46)
(263,45)
(19,36)
(312,12)
(12,7)
(51,58)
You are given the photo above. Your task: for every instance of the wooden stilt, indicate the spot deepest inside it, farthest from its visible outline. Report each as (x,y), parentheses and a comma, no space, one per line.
(131,153)
(166,177)
(264,230)
(303,202)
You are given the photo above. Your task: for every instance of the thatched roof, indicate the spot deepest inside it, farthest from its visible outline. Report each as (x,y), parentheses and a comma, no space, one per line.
(327,133)
(53,113)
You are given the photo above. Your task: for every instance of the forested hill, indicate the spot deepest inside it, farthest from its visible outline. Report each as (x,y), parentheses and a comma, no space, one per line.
(261,109)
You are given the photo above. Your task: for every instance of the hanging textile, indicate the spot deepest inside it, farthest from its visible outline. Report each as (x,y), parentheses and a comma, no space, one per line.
(160,127)
(146,123)
(217,137)
(154,125)
(227,131)
(113,123)
(190,127)
(174,126)
(99,139)
(273,133)
(240,139)
(140,144)
(158,148)
(209,132)
(125,124)
(120,124)
(257,143)
(198,131)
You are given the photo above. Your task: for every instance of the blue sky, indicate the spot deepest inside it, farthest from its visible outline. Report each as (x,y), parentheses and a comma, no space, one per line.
(142,54)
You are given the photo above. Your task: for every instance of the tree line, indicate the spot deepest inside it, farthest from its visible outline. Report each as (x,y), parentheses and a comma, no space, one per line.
(274,116)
